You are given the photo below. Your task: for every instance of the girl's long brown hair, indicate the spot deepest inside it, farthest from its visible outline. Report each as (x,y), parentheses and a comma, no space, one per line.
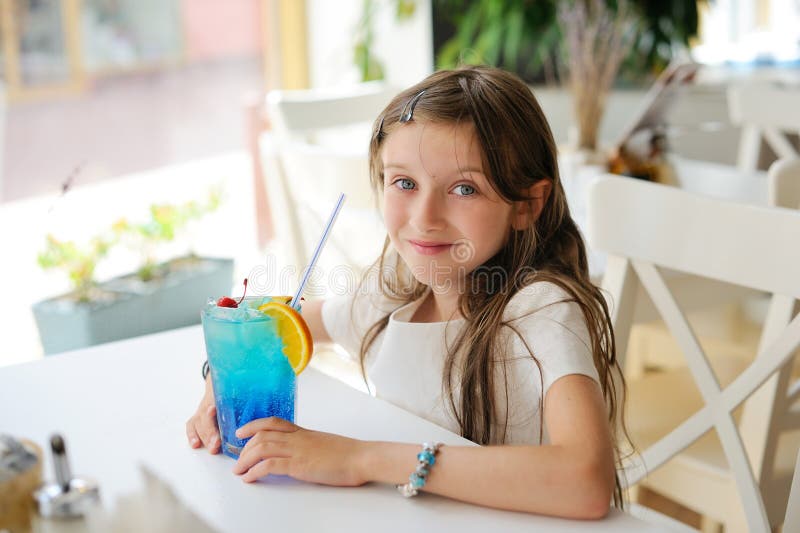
(518,151)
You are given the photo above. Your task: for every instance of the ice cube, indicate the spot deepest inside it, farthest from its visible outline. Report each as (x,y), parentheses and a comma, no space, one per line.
(232,314)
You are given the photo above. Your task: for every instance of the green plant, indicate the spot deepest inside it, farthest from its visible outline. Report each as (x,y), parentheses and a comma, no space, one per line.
(517,34)
(166,220)
(369,67)
(79,262)
(525,35)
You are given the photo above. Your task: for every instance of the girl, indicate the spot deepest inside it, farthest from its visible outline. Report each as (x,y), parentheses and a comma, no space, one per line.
(483,318)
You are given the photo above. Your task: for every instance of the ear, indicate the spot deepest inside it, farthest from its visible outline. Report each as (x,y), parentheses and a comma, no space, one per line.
(526,212)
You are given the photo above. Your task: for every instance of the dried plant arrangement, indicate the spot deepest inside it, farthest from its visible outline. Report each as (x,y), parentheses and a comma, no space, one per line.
(596,40)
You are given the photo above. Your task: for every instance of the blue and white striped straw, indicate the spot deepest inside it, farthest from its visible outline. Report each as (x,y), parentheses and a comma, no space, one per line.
(322,240)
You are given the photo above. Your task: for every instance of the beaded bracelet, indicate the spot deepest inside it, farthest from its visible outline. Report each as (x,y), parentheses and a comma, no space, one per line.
(417,479)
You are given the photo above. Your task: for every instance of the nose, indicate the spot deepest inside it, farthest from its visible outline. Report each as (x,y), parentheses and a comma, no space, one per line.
(427,213)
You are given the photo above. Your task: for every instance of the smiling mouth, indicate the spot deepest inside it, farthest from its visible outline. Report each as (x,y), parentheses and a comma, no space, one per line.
(430,248)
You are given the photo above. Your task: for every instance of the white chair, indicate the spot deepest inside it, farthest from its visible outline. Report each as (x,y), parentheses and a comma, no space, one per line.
(792,521)
(784,183)
(724,325)
(317,148)
(692,449)
(764,111)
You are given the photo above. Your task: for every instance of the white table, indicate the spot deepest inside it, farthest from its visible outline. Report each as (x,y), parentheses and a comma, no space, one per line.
(126,403)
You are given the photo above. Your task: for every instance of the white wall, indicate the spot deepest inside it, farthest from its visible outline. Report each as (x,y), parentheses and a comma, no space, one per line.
(404,48)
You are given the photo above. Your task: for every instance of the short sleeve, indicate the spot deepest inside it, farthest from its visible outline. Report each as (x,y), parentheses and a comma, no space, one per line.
(551,325)
(347,318)
(336,319)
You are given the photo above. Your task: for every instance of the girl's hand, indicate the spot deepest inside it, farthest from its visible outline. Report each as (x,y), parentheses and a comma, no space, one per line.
(201,428)
(280,447)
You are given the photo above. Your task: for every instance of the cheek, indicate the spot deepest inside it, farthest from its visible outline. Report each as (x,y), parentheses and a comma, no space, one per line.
(491,233)
(393,214)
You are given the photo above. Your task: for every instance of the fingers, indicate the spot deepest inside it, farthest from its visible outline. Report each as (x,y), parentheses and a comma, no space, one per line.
(191,434)
(274,465)
(256,450)
(202,430)
(209,432)
(265,424)
(214,446)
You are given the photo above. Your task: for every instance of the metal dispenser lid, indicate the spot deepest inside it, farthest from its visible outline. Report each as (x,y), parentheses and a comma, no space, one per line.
(68,497)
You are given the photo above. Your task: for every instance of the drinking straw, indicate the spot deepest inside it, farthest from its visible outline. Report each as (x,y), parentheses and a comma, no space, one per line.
(317,251)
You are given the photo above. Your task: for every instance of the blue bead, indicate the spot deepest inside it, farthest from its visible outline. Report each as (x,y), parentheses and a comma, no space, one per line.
(426,457)
(416,481)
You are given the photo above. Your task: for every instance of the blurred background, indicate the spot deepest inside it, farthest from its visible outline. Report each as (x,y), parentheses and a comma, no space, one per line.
(118,118)
(153,153)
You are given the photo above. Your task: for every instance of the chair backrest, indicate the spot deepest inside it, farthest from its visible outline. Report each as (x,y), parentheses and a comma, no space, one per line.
(644,227)
(321,138)
(784,183)
(764,110)
(315,109)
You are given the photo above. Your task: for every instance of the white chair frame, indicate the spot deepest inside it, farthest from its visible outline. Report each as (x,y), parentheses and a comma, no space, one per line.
(645,226)
(764,110)
(792,520)
(297,117)
(784,183)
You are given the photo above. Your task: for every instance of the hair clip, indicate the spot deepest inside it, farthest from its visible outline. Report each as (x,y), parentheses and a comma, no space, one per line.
(408,110)
(379,132)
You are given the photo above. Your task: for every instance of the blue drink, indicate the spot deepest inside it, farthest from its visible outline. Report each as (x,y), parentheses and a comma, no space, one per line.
(251,376)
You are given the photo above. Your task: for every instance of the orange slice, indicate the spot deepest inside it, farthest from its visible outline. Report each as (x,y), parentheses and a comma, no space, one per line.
(293,330)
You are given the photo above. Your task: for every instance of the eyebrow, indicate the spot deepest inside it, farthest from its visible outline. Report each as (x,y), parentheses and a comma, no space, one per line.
(395,165)
(465,170)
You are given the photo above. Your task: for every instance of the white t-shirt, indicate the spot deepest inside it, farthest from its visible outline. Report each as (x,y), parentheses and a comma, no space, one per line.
(405,364)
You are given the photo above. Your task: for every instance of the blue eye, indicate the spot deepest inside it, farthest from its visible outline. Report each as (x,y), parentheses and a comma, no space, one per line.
(405,184)
(466,190)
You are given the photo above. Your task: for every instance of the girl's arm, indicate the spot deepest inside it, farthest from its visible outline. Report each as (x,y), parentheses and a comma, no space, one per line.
(572,477)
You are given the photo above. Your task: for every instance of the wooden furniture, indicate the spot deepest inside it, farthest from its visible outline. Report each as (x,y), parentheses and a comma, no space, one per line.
(123,404)
(696,447)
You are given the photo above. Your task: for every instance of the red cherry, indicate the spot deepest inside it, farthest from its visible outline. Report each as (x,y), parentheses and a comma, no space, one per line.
(226,301)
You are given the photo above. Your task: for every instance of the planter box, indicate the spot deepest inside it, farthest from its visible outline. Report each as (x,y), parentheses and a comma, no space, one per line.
(130,307)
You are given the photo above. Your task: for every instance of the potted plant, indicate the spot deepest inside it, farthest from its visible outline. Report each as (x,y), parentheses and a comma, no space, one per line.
(157,297)
(596,40)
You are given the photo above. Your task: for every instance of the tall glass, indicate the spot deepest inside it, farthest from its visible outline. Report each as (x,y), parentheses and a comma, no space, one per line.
(251,376)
